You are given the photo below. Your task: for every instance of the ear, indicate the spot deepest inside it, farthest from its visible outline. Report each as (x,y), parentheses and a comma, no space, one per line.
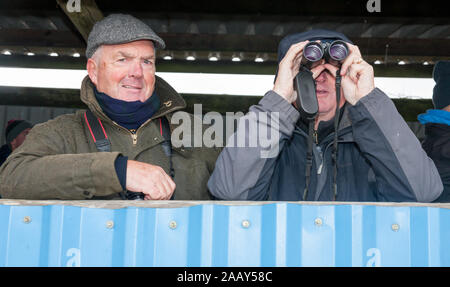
(92,70)
(13,144)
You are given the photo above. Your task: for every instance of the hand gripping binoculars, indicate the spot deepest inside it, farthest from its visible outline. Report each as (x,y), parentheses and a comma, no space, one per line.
(333,52)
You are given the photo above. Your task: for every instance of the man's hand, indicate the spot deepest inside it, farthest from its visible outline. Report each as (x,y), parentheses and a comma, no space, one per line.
(357,76)
(149,179)
(287,70)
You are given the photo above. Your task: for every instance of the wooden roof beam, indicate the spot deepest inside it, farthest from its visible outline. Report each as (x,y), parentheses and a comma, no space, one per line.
(83,14)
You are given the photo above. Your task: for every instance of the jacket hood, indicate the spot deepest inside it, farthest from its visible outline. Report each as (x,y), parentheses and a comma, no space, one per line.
(441,91)
(170,100)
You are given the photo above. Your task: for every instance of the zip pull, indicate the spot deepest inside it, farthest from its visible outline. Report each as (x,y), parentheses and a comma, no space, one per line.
(133,136)
(319,151)
(316,137)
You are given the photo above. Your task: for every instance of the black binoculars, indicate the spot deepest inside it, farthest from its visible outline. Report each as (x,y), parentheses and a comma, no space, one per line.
(135,195)
(333,52)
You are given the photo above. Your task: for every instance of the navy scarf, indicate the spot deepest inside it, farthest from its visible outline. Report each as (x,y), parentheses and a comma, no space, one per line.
(130,115)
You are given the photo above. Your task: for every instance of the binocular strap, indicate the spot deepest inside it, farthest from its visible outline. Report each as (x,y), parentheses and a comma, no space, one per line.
(336,126)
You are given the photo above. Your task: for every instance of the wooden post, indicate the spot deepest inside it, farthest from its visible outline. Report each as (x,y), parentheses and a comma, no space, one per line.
(82,13)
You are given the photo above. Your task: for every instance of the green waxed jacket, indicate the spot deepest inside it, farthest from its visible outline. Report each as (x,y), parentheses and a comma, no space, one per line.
(59,160)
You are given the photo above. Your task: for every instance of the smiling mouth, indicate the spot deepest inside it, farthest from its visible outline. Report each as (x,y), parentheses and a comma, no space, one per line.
(131,87)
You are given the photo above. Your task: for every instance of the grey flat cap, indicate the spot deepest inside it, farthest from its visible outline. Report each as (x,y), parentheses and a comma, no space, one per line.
(120,29)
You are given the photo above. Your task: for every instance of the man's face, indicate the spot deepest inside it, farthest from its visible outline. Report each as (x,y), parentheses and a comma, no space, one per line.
(326,94)
(124,71)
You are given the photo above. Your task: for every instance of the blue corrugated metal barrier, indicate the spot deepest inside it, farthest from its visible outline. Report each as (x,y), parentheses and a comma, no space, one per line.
(219,234)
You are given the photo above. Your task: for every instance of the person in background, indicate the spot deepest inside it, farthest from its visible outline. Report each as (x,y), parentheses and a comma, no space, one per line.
(15,134)
(437,126)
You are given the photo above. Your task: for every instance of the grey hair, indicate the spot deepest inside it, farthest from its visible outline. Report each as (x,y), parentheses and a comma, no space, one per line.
(97,55)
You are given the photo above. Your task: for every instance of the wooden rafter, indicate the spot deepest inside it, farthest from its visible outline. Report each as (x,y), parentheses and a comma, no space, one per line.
(85,18)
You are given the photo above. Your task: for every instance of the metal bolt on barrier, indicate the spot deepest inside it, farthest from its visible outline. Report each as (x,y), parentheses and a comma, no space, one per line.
(173,224)
(109,224)
(318,221)
(245,223)
(27,219)
(395,227)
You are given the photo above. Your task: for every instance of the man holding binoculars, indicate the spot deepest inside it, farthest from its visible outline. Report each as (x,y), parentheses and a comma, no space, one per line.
(374,156)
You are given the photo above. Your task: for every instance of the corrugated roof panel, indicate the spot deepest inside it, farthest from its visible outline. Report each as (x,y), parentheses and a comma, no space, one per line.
(11,22)
(410,31)
(437,31)
(273,234)
(381,30)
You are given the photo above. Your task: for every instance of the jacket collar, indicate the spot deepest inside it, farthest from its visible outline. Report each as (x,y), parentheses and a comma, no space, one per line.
(344,123)
(437,130)
(170,100)
(345,118)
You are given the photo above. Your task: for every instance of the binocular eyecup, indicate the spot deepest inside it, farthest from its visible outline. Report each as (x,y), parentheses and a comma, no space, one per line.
(333,53)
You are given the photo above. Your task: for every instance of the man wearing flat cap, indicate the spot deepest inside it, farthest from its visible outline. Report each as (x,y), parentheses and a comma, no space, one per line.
(437,126)
(120,147)
(354,147)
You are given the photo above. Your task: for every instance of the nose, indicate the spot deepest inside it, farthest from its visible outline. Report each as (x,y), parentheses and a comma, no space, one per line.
(135,69)
(322,77)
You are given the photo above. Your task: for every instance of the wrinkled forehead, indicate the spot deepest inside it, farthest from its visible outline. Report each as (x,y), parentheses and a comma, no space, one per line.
(137,48)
